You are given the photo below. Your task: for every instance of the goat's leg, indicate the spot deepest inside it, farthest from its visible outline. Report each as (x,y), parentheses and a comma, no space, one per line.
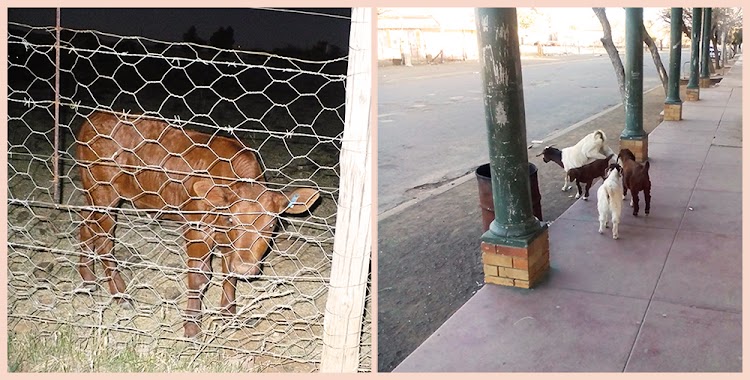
(586,193)
(615,228)
(634,202)
(565,184)
(603,212)
(624,187)
(616,212)
(647,195)
(596,155)
(602,222)
(578,185)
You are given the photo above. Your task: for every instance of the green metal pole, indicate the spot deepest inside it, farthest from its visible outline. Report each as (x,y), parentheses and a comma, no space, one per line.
(673,96)
(633,75)
(695,41)
(500,60)
(704,42)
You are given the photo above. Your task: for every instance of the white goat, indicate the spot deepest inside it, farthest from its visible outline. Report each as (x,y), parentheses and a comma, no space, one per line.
(591,147)
(609,200)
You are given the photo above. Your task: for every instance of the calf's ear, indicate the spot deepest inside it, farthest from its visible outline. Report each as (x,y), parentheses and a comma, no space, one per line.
(295,201)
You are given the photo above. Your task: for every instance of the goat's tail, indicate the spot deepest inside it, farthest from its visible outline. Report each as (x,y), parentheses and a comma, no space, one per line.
(646,166)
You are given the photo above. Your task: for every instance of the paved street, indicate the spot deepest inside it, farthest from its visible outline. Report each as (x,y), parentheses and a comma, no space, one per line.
(431,126)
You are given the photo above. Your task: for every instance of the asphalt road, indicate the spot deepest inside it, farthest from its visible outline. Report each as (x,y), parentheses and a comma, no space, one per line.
(431,126)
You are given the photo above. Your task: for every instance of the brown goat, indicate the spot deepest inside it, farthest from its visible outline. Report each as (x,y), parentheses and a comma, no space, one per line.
(588,173)
(635,178)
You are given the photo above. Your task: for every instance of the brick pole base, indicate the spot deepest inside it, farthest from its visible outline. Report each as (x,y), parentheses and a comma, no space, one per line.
(639,147)
(704,83)
(522,267)
(693,94)
(672,112)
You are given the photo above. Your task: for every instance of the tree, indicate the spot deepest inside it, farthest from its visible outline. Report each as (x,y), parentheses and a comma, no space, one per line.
(687,19)
(614,55)
(656,57)
(609,46)
(724,21)
(192,36)
(223,38)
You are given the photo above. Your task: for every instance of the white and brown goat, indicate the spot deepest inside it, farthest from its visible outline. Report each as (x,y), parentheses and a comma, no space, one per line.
(609,200)
(591,147)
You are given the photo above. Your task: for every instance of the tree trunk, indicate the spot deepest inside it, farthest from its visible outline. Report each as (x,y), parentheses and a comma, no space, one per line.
(723,48)
(657,58)
(717,60)
(609,46)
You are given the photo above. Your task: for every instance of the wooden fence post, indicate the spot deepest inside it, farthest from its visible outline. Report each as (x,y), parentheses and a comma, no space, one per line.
(352,244)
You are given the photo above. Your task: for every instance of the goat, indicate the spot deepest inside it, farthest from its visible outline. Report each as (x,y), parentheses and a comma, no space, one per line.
(588,173)
(635,179)
(609,200)
(591,147)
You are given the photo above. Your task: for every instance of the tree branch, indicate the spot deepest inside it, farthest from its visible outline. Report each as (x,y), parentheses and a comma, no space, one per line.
(612,52)
(657,58)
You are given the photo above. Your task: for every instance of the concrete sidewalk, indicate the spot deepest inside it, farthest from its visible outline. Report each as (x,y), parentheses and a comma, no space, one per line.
(666,297)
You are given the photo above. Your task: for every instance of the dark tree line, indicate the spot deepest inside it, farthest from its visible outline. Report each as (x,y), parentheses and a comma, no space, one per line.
(223,38)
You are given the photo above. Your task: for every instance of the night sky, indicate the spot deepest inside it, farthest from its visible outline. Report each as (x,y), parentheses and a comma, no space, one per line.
(253,28)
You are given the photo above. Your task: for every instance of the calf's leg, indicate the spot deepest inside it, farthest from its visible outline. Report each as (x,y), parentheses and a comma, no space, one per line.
(199,273)
(229,288)
(97,238)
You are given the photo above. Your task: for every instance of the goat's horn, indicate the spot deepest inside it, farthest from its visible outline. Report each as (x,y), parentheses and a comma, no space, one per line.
(539,154)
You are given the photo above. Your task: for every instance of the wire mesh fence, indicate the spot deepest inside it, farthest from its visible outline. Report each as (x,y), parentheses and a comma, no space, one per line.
(286,113)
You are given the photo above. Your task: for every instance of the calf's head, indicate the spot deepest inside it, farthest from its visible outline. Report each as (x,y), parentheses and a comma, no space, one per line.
(244,216)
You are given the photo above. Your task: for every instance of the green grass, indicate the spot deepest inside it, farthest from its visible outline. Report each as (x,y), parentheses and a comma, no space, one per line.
(64,351)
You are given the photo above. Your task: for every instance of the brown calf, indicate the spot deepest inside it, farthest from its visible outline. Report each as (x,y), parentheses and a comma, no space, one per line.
(212,183)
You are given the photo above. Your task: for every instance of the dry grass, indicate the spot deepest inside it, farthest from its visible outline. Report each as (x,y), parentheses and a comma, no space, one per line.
(64,350)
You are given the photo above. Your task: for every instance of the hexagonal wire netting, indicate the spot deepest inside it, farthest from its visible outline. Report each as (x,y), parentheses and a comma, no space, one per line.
(289,112)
